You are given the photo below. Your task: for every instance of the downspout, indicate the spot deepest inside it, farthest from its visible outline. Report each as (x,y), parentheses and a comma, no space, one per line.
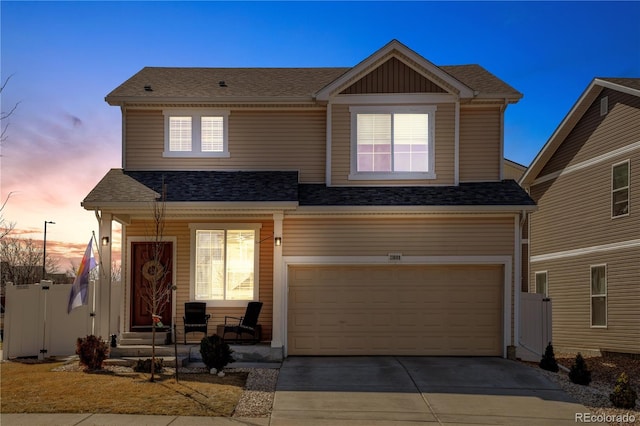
(327,177)
(518,278)
(456,159)
(502,111)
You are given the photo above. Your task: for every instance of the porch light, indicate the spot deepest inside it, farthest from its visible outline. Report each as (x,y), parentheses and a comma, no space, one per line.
(105,241)
(278,241)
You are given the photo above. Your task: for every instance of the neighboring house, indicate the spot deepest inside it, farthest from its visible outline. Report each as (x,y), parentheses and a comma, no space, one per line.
(585,236)
(364,206)
(512,170)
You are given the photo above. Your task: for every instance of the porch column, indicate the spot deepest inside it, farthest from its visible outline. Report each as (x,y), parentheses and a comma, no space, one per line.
(279,306)
(103,292)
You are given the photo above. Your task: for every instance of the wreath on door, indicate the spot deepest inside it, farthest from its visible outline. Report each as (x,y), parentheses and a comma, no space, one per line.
(152,270)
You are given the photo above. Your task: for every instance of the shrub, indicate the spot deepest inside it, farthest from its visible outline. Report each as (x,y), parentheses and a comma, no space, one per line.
(144,366)
(623,395)
(92,351)
(215,352)
(579,373)
(548,361)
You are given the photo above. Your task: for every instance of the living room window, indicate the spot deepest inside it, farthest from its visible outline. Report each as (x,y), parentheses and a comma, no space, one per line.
(224,263)
(196,133)
(392,142)
(599,296)
(620,189)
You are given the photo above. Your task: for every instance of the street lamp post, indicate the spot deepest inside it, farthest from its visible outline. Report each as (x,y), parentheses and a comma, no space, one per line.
(44,248)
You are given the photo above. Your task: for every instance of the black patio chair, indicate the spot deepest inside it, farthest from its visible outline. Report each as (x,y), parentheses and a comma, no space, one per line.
(246,324)
(195,318)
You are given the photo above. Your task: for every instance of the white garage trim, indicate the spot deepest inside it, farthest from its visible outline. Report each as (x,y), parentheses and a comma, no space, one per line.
(505,261)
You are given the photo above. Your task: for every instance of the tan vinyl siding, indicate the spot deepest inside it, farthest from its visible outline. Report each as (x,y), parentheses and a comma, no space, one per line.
(444,149)
(411,237)
(595,135)
(512,171)
(181,231)
(574,210)
(480,146)
(258,140)
(394,76)
(569,288)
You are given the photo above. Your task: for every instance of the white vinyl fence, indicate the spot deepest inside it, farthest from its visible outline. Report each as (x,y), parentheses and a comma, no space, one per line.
(36,322)
(535,326)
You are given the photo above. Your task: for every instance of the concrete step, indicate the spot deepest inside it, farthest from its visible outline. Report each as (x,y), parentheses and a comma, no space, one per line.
(142,338)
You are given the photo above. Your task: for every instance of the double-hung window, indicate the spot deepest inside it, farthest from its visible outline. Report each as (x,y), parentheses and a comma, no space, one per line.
(599,296)
(225,262)
(620,189)
(196,133)
(392,142)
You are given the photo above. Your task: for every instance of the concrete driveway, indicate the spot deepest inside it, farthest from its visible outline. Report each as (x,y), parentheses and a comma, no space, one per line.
(410,390)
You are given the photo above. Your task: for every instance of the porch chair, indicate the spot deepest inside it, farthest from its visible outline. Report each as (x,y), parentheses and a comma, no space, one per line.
(195,318)
(244,324)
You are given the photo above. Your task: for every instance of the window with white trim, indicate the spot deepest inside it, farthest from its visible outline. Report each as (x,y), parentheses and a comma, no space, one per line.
(392,142)
(620,189)
(225,259)
(196,133)
(542,286)
(599,296)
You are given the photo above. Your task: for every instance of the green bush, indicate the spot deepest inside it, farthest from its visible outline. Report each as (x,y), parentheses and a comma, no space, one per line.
(623,395)
(144,366)
(92,351)
(548,361)
(579,373)
(215,352)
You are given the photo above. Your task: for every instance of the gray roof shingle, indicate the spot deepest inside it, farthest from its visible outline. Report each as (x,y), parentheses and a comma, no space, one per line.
(203,84)
(504,193)
(276,186)
(216,186)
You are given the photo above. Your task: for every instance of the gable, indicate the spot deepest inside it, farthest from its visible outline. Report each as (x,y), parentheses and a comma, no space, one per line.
(393,76)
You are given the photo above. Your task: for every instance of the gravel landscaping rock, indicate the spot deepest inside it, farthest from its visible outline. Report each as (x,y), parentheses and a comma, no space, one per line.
(595,397)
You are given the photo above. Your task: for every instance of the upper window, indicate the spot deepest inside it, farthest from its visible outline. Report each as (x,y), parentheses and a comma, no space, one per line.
(599,296)
(541,283)
(392,142)
(196,133)
(620,190)
(225,262)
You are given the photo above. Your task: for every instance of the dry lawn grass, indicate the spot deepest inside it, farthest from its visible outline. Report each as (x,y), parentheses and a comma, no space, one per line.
(35,388)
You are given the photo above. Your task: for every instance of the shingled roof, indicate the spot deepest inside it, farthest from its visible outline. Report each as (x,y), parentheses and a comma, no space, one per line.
(220,85)
(277,186)
(504,193)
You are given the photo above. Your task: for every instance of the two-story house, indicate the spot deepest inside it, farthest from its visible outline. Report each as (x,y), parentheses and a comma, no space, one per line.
(364,206)
(585,237)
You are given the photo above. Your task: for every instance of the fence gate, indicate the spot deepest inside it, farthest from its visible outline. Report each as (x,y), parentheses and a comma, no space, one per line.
(535,326)
(36,322)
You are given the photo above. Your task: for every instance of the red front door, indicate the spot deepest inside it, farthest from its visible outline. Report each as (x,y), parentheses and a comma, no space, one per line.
(148,267)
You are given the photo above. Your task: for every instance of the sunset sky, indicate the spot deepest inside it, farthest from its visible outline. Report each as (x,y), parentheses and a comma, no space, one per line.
(63,58)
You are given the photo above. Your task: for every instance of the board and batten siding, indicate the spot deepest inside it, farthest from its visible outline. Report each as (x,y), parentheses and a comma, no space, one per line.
(442,236)
(181,232)
(258,140)
(480,150)
(569,281)
(596,135)
(444,131)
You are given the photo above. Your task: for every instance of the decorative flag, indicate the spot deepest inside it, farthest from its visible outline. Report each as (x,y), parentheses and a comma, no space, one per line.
(78,295)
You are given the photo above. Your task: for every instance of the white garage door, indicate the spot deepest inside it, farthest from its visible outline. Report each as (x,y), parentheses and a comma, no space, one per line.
(395,310)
